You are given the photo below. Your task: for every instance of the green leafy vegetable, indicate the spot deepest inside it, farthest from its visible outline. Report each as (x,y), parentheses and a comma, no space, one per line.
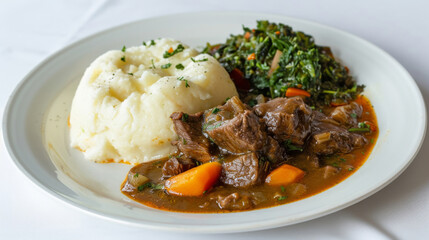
(124,49)
(302,64)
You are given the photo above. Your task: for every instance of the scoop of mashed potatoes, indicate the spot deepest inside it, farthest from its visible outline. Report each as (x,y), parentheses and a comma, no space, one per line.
(121,109)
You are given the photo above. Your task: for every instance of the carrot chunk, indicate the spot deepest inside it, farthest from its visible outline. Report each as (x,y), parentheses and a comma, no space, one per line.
(170,50)
(284,175)
(195,181)
(338,103)
(292,92)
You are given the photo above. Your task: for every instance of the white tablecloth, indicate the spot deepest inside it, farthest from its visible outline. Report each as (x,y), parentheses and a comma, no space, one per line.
(31,30)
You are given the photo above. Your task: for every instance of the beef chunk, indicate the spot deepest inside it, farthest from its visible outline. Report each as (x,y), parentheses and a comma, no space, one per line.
(329,139)
(286,118)
(273,151)
(242,171)
(174,166)
(192,142)
(234,128)
(347,115)
(234,201)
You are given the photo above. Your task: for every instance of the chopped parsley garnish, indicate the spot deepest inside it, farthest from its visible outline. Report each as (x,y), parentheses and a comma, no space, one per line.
(362,127)
(252,102)
(342,159)
(153,64)
(157,162)
(136,175)
(185,117)
(353,115)
(123,58)
(292,147)
(210,127)
(282,188)
(131,74)
(150,185)
(124,49)
(201,60)
(184,141)
(144,43)
(281,198)
(179,48)
(371,140)
(152,43)
(335,164)
(215,110)
(359,130)
(183,79)
(350,169)
(165,66)
(180,66)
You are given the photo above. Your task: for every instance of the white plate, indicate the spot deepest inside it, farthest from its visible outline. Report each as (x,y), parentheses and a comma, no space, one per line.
(36,133)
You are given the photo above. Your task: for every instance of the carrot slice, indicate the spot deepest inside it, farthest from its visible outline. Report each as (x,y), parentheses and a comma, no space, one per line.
(170,50)
(251,56)
(195,181)
(284,175)
(338,103)
(292,92)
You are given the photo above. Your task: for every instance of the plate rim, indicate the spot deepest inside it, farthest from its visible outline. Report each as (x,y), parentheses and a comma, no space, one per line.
(239,227)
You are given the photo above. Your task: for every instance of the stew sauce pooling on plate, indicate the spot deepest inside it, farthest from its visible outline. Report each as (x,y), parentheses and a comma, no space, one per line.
(235,157)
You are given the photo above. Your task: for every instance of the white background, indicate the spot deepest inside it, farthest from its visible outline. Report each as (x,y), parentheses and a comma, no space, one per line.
(32,30)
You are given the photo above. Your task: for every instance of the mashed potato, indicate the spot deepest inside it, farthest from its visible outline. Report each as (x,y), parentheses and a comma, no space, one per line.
(122,105)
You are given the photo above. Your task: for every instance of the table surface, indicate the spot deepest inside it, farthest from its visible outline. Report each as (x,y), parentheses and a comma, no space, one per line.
(32,30)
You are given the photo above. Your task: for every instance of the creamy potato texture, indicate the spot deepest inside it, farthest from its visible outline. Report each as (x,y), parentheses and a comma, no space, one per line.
(122,105)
